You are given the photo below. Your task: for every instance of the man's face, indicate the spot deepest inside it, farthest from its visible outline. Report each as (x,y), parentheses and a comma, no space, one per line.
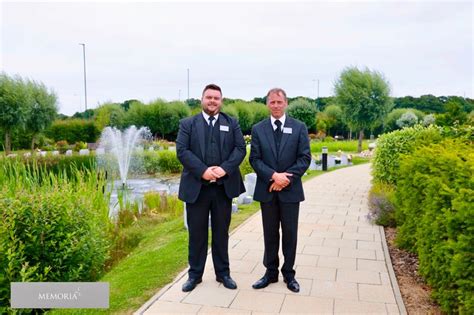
(211,102)
(277,104)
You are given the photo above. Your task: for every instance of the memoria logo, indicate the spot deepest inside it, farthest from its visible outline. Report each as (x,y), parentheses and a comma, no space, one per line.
(62,296)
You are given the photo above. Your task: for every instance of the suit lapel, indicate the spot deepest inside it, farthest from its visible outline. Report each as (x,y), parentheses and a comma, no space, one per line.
(268,130)
(200,125)
(222,134)
(285,136)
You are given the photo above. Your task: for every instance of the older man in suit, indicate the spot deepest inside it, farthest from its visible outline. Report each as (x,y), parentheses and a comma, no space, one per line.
(280,155)
(210,145)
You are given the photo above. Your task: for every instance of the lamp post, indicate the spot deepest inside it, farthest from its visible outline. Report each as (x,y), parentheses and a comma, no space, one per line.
(317,92)
(188,84)
(85,81)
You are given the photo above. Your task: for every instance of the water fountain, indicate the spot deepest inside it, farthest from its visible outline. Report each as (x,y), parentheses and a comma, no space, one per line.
(117,149)
(119,154)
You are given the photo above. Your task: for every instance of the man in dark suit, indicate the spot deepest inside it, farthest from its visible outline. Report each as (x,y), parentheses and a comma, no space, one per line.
(210,145)
(280,155)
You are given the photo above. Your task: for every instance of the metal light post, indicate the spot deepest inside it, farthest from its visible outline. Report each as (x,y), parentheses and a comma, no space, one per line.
(85,81)
(317,91)
(188,84)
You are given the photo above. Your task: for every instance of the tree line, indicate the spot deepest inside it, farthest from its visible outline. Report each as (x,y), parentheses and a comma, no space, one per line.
(362,103)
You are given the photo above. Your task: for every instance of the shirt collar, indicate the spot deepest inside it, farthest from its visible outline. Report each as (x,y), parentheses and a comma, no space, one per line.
(206,117)
(282,119)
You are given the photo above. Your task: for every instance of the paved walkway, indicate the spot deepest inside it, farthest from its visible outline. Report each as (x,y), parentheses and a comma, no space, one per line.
(341,263)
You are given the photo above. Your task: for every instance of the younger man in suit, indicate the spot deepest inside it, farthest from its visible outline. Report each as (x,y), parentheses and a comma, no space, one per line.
(211,147)
(280,155)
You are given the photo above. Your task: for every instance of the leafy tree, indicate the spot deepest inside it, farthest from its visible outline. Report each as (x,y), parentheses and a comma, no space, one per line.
(322,102)
(304,111)
(41,110)
(163,118)
(230,110)
(454,114)
(364,99)
(260,111)
(88,114)
(193,102)
(110,114)
(245,116)
(138,114)
(334,120)
(14,99)
(126,105)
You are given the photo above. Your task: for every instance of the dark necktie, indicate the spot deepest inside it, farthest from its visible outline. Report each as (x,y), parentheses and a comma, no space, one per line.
(211,119)
(278,134)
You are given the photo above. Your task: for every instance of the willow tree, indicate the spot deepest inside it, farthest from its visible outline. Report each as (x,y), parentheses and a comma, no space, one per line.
(41,109)
(14,99)
(364,97)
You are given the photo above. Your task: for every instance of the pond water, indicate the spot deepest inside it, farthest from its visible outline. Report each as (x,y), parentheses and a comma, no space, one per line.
(137,187)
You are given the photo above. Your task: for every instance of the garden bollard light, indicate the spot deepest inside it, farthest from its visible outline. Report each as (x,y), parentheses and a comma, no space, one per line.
(324,158)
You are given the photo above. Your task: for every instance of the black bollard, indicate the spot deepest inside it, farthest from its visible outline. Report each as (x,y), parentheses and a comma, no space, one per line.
(324,158)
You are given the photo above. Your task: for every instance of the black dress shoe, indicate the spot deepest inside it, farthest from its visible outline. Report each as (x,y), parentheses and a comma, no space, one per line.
(227,282)
(293,285)
(264,282)
(190,284)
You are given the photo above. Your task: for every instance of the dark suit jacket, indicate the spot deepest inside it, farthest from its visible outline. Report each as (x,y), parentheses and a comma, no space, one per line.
(293,157)
(190,148)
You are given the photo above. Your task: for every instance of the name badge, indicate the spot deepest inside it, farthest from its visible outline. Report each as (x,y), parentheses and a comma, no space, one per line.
(224,128)
(287,130)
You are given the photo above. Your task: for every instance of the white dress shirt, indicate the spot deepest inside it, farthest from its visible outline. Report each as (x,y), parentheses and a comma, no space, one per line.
(206,118)
(282,119)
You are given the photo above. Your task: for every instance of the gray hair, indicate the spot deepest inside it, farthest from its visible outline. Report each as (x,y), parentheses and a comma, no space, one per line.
(277,91)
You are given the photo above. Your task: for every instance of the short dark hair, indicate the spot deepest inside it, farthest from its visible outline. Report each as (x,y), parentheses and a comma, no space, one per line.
(212,86)
(277,91)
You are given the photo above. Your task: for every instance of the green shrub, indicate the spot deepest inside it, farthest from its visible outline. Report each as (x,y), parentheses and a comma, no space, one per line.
(168,162)
(80,145)
(53,228)
(391,145)
(390,122)
(304,111)
(435,215)
(73,130)
(62,146)
(163,161)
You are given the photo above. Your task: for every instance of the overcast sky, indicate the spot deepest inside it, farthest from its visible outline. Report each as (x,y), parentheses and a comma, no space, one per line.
(143,50)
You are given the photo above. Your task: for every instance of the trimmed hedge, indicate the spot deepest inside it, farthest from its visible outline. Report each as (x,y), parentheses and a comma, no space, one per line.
(73,130)
(390,146)
(435,215)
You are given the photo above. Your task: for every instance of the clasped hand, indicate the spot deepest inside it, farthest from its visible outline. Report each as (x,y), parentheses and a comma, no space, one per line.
(213,173)
(280,181)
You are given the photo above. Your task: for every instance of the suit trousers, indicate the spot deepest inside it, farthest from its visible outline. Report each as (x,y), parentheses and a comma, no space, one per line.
(212,198)
(274,213)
